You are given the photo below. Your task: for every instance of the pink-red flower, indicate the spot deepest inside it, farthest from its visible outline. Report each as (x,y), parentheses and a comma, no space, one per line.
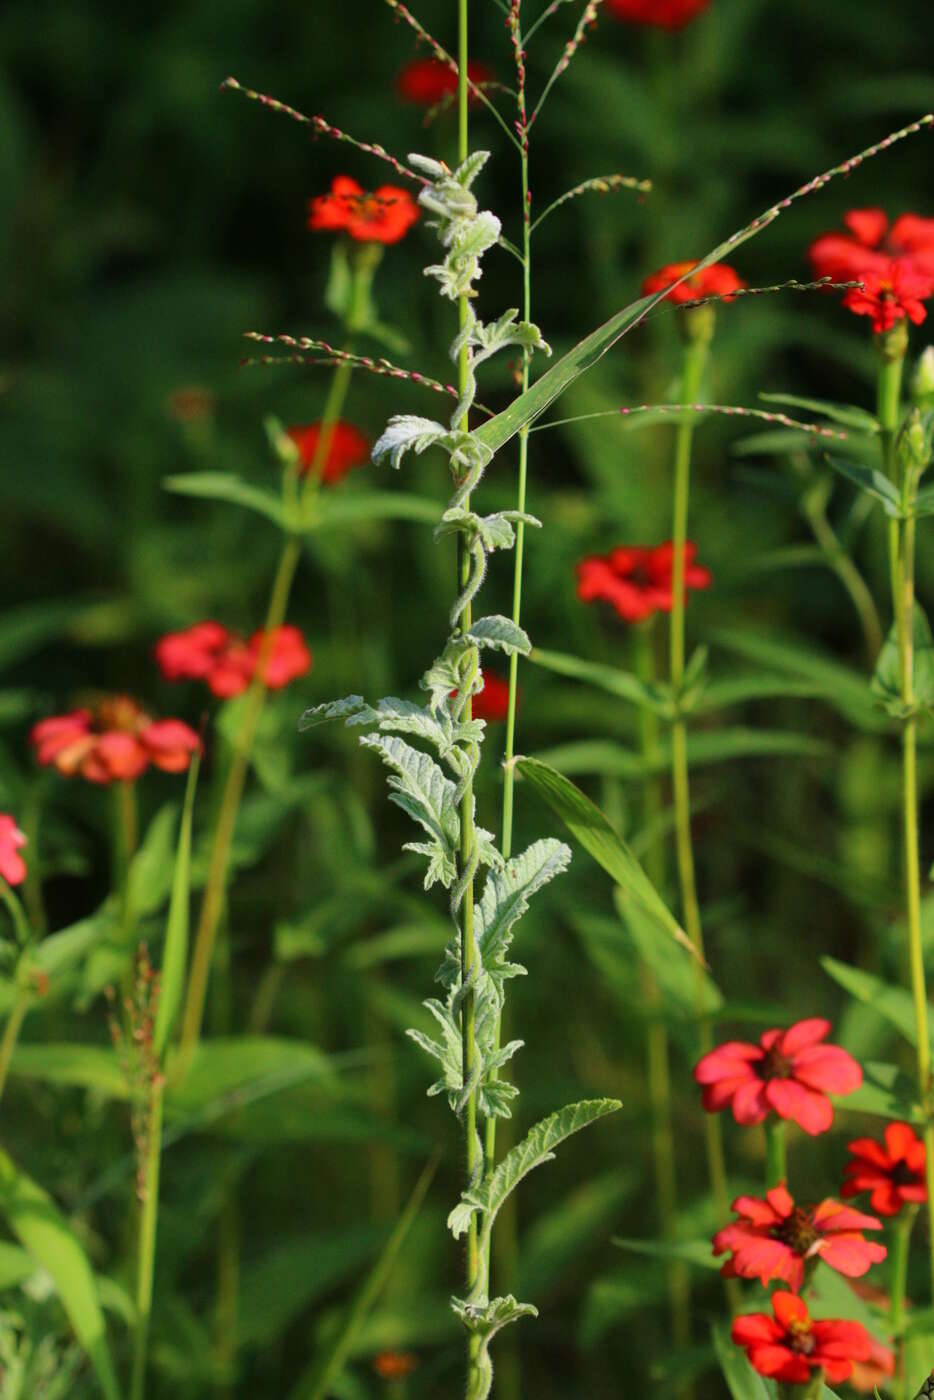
(663,14)
(774,1237)
(428,81)
(12,840)
(789,1073)
(717,280)
(492,702)
(383,216)
(346,448)
(870,1376)
(114,741)
(895,262)
(791,1345)
(226,663)
(636,581)
(893,1172)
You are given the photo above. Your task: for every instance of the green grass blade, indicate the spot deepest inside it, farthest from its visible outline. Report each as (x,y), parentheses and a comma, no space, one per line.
(175,953)
(49,1239)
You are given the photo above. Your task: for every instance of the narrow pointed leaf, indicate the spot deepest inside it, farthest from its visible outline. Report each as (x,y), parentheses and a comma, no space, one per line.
(175,952)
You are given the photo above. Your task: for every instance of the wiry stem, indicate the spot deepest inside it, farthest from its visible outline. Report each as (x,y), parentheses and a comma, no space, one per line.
(146,1262)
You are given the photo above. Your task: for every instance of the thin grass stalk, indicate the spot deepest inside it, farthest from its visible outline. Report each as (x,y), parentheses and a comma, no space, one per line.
(657,1039)
(899,1246)
(695,356)
(473,1150)
(146,1260)
(903,577)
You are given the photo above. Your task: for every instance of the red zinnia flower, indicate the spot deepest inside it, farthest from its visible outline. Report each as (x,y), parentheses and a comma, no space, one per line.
(427,80)
(208,652)
(788,1072)
(114,741)
(384,216)
(717,280)
(773,1237)
(664,14)
(893,1173)
(637,580)
(871,1375)
(791,1346)
(394,1365)
(492,703)
(347,448)
(891,292)
(12,865)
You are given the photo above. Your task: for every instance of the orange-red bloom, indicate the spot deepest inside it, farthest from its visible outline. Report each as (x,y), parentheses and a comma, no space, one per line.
(492,703)
(717,280)
(428,81)
(791,1346)
(226,663)
(383,216)
(347,448)
(868,1376)
(789,1073)
(637,580)
(894,1173)
(663,14)
(895,262)
(12,840)
(114,741)
(394,1365)
(773,1237)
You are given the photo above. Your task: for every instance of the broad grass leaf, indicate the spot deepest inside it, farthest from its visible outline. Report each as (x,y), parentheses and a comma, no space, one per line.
(697,1252)
(840,686)
(609,678)
(720,694)
(588,756)
(36,1222)
(223,486)
(94,1067)
(61,952)
(847,414)
(175,951)
(892,1002)
(677,976)
(870,480)
(590,827)
(16,1264)
(886,1091)
(336,509)
(150,873)
(742,1381)
(228,1066)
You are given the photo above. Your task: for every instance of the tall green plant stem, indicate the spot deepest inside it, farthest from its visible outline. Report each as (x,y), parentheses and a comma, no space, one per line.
(899,1242)
(776,1168)
(473,1147)
(215,886)
(903,579)
(146,1260)
(11,1033)
(695,357)
(657,1041)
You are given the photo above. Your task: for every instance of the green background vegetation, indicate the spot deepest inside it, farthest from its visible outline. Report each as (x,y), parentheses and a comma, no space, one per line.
(145,222)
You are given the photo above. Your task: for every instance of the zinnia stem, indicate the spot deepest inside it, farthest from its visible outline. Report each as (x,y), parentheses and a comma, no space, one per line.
(776,1169)
(903,582)
(147,1243)
(695,357)
(899,1241)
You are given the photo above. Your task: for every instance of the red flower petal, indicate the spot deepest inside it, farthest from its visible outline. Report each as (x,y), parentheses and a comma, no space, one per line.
(869,226)
(812,1112)
(829,1068)
(803,1034)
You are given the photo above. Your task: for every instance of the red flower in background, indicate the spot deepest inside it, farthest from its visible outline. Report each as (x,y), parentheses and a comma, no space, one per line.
(347,448)
(791,1346)
(789,1073)
(394,1365)
(12,840)
(208,652)
(872,1374)
(663,14)
(717,280)
(637,580)
(895,262)
(894,1173)
(428,81)
(385,216)
(492,703)
(114,741)
(773,1237)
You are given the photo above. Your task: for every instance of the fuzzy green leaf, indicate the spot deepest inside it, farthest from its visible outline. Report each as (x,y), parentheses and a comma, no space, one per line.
(500,634)
(353,709)
(535,1149)
(507,892)
(419,787)
(487,1321)
(590,827)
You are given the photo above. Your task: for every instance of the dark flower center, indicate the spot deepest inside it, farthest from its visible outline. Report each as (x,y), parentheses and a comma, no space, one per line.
(801,1339)
(902,1175)
(797,1231)
(774,1065)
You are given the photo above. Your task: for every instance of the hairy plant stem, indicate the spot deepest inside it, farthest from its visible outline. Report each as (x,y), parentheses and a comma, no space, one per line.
(899,1242)
(476,1283)
(146,1250)
(695,356)
(362,268)
(657,1041)
(776,1168)
(903,581)
(507,1234)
